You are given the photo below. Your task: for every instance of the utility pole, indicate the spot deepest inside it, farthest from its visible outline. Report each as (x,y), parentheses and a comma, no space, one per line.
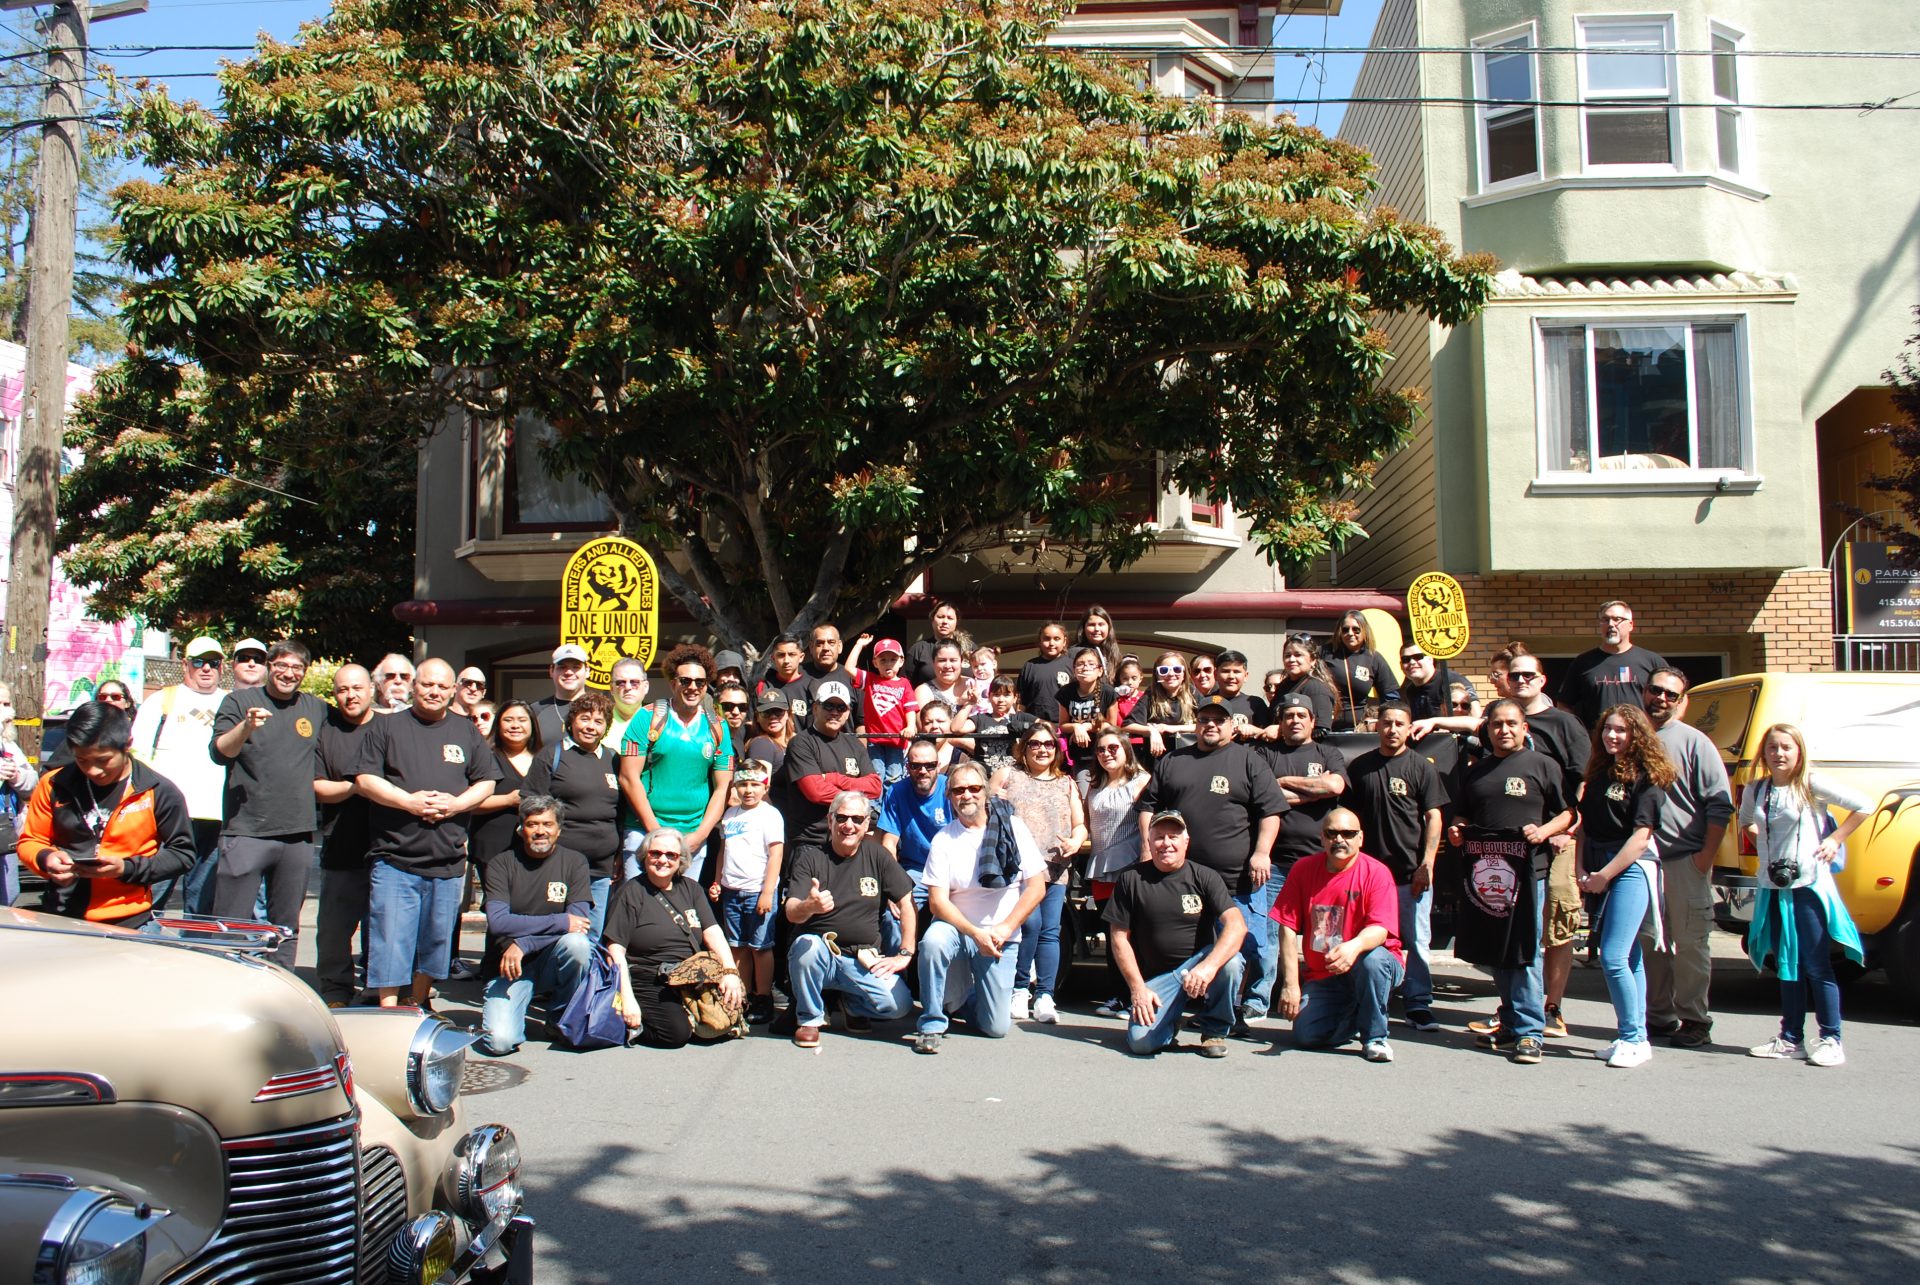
(44,406)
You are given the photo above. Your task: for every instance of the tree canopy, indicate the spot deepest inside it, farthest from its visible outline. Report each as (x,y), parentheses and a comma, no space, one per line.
(817,292)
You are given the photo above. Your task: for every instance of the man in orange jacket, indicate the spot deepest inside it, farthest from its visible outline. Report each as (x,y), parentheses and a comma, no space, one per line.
(104,829)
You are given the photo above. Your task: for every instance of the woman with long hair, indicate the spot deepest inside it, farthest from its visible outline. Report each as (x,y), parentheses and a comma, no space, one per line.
(1359,672)
(1045,798)
(118,694)
(1627,777)
(1164,716)
(1308,675)
(1111,789)
(1097,632)
(1798,917)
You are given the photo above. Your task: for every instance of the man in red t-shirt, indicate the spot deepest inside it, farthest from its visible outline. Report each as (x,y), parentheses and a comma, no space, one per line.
(1340,907)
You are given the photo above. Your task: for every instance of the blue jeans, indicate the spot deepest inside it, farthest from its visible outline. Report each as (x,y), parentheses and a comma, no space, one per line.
(600,890)
(198,879)
(1260,951)
(1416,936)
(1040,943)
(1816,973)
(890,939)
(890,761)
(1621,915)
(1523,994)
(1334,1010)
(989,1001)
(1215,1011)
(813,970)
(554,971)
(410,924)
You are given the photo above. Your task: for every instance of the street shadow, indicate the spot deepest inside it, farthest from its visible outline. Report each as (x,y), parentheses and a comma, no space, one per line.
(1599,1204)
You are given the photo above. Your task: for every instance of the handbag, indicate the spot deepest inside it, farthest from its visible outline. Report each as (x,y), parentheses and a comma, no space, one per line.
(591,1019)
(696,979)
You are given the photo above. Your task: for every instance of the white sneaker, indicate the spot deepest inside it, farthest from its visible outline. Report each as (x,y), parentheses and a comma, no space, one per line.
(1044,1011)
(1631,1053)
(1377,1051)
(1606,1051)
(1779,1047)
(1826,1052)
(1021,1001)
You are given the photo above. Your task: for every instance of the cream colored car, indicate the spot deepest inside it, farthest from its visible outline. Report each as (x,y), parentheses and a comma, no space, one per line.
(174,1109)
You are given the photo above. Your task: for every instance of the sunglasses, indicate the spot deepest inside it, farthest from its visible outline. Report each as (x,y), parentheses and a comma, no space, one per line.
(201,662)
(251,658)
(923,767)
(1341,834)
(1041,745)
(733,707)
(1522,675)
(629,682)
(844,818)
(473,682)
(966,789)
(684,681)
(1462,707)
(1664,693)
(1166,670)
(1412,656)
(113,698)
(663,852)
(1110,747)
(835,707)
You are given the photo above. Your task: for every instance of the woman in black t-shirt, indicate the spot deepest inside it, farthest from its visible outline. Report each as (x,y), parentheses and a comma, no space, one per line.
(944,625)
(583,773)
(1307,675)
(657,922)
(1628,774)
(1359,672)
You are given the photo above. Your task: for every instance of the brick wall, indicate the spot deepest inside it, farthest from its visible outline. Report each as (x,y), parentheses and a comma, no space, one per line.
(1767,620)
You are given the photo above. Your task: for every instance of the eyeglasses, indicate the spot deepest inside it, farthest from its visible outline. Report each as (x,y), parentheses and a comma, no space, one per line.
(1041,745)
(1167,670)
(1522,675)
(966,789)
(1341,834)
(205,662)
(1615,620)
(844,818)
(663,852)
(733,707)
(1664,693)
(923,767)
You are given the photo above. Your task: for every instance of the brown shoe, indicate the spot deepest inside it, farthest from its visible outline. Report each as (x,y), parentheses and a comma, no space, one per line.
(807,1037)
(1556,1024)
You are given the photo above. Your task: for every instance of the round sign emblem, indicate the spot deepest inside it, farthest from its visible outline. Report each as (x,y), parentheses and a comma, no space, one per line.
(610,605)
(1437,609)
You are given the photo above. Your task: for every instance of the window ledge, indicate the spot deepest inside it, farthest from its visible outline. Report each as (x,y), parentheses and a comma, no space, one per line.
(1514,189)
(1647,482)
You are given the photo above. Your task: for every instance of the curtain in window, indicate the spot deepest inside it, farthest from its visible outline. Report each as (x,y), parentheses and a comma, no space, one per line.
(1564,403)
(1716,396)
(540,498)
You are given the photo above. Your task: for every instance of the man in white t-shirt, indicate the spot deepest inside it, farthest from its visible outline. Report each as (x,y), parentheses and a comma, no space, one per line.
(171,735)
(977,914)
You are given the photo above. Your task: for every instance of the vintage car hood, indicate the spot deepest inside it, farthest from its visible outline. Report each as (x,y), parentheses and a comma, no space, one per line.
(164,1022)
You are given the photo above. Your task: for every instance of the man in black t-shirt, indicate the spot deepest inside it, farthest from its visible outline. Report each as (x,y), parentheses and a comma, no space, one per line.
(836,897)
(423,773)
(1176,936)
(1233,807)
(539,905)
(822,665)
(569,674)
(1043,678)
(824,758)
(1614,673)
(1310,776)
(1427,686)
(1399,799)
(268,738)
(345,835)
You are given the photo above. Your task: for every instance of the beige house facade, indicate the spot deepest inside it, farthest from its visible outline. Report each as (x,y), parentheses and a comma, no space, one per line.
(1707,264)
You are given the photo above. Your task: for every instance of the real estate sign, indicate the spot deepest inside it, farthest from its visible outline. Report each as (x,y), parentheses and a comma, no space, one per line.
(1879,598)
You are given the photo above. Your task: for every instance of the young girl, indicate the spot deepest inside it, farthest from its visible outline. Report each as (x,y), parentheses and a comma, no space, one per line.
(995,731)
(890,709)
(1307,674)
(1165,715)
(755,835)
(985,662)
(1627,778)
(1128,690)
(1111,790)
(1097,632)
(1088,701)
(1798,916)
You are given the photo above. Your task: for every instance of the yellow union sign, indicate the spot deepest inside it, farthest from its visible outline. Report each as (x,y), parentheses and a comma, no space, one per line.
(1438,610)
(610,605)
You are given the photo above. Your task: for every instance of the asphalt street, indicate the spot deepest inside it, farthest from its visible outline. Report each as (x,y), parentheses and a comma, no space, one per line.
(1053,1156)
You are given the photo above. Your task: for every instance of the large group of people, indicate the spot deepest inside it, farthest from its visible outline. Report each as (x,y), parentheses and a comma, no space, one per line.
(867,841)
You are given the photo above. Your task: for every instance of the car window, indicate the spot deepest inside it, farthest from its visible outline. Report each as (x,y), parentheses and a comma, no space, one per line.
(1724,716)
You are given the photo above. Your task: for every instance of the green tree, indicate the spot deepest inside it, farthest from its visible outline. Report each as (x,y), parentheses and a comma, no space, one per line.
(818,292)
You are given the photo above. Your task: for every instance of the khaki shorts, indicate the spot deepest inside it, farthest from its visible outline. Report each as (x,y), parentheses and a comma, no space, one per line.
(1561,921)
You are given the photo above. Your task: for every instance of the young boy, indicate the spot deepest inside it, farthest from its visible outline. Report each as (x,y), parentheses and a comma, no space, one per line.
(755,835)
(890,711)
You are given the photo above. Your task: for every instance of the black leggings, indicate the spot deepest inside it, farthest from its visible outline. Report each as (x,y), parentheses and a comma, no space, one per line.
(663,1018)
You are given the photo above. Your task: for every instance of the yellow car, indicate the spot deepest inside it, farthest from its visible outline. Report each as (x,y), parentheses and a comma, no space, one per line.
(1862,730)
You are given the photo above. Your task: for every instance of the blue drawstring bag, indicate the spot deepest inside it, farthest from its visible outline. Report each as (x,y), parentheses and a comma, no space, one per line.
(589,1020)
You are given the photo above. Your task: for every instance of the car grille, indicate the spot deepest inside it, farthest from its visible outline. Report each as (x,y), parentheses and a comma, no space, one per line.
(383,1201)
(291,1210)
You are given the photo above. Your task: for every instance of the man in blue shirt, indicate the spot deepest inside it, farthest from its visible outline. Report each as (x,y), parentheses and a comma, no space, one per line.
(911,812)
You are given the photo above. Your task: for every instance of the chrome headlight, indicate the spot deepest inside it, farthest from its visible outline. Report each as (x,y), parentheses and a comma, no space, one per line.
(96,1238)
(435,1060)
(425,1251)
(484,1174)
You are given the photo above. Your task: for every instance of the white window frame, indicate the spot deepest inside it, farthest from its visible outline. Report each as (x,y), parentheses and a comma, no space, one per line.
(1741,480)
(1523,36)
(1585,24)
(1734,107)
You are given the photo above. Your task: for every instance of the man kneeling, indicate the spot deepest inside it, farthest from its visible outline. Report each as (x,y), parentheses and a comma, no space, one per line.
(1343,903)
(984,875)
(539,895)
(1175,935)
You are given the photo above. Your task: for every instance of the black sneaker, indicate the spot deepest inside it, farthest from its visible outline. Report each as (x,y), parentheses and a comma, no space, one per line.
(857,1023)
(1691,1035)
(1422,1019)
(1495,1040)
(759,1011)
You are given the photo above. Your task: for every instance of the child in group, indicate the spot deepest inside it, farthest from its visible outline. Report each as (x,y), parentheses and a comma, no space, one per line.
(939,723)
(1798,917)
(995,731)
(985,668)
(755,835)
(890,710)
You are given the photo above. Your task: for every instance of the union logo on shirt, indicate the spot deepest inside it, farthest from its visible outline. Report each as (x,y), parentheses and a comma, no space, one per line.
(1189,903)
(613,782)
(303,726)
(869,886)
(1362,674)
(1516,787)
(1396,786)
(1060,679)
(853,767)
(453,754)
(1219,785)
(557,892)
(1315,769)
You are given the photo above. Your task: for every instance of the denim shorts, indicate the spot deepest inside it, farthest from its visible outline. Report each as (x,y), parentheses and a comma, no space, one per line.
(411,920)
(742,924)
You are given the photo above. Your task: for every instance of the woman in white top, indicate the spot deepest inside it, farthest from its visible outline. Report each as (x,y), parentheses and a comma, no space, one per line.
(1798,916)
(1111,789)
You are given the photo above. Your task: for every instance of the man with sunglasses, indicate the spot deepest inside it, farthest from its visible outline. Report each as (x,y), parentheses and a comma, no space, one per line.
(1340,912)
(171,735)
(392,683)
(469,689)
(913,810)
(1426,684)
(1693,819)
(627,684)
(824,758)
(569,674)
(1614,673)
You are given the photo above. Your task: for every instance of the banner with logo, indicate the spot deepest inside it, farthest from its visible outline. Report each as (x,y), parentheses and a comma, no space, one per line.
(1437,612)
(610,605)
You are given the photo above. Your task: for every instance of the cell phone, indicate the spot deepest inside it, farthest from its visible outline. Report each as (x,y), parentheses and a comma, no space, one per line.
(85,863)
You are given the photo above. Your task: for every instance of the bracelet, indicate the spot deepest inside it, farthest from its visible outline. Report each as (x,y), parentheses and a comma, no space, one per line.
(730,972)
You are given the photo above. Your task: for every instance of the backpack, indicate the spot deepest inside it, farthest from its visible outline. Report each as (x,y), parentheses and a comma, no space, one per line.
(657,723)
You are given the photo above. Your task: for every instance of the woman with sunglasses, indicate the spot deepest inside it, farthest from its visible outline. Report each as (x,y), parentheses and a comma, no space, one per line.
(677,762)
(1111,791)
(1360,674)
(1163,720)
(1044,797)
(116,693)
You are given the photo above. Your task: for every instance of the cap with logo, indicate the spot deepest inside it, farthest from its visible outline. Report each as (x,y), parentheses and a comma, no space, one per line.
(888,647)
(204,646)
(1293,700)
(832,691)
(1170,816)
(569,651)
(772,698)
(1218,703)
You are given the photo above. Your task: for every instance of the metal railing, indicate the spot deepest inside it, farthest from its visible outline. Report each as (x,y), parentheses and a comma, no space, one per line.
(1854,654)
